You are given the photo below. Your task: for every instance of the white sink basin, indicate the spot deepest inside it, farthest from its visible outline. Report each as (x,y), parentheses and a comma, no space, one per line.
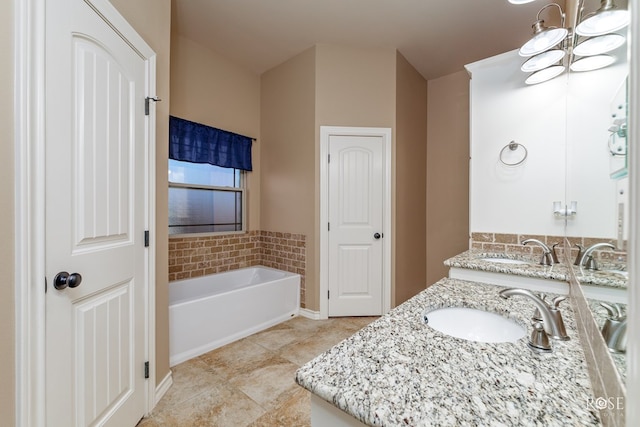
(504,260)
(473,324)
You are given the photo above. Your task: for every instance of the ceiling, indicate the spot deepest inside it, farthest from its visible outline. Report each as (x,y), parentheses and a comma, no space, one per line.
(436,37)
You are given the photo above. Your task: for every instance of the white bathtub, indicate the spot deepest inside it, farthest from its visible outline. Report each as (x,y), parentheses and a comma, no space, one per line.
(210,311)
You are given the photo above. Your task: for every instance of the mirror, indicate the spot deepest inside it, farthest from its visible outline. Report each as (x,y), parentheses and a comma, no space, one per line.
(596,178)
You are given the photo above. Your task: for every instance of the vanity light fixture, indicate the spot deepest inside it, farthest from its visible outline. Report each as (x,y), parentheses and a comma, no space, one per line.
(599,45)
(607,19)
(592,63)
(545,74)
(543,60)
(544,38)
(552,50)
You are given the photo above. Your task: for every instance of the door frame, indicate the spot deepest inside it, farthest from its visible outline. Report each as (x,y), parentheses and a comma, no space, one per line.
(325,133)
(29,205)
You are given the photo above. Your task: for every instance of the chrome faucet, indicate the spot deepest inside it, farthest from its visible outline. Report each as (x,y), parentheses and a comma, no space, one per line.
(614,330)
(547,254)
(587,260)
(551,317)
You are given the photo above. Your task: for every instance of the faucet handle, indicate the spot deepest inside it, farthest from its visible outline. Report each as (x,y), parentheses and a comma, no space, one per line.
(580,253)
(536,314)
(615,311)
(557,300)
(554,255)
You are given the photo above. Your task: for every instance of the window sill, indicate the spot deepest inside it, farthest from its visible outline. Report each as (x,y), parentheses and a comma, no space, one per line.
(210,234)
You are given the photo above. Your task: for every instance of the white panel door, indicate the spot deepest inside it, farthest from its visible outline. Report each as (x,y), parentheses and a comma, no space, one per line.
(355,225)
(95,218)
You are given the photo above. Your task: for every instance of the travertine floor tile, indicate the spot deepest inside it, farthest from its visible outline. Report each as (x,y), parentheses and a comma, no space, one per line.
(224,407)
(266,382)
(189,379)
(233,359)
(296,411)
(251,382)
(276,337)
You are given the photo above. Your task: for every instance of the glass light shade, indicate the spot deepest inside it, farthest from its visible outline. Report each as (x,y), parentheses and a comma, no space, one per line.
(592,63)
(599,45)
(542,60)
(604,22)
(544,75)
(542,41)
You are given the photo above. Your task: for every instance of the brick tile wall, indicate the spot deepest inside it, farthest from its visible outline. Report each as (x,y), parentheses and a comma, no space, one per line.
(511,243)
(197,256)
(285,251)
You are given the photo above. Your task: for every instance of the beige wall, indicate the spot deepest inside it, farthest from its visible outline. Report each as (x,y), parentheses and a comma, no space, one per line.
(333,86)
(447,171)
(152,20)
(7,332)
(411,181)
(287,105)
(354,87)
(207,88)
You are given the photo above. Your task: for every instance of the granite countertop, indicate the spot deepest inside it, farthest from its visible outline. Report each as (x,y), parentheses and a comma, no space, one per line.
(600,314)
(397,371)
(475,259)
(612,276)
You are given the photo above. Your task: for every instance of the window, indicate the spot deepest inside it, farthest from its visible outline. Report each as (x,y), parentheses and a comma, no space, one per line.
(204,198)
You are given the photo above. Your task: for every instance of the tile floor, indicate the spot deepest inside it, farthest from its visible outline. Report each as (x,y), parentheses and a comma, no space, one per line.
(251,382)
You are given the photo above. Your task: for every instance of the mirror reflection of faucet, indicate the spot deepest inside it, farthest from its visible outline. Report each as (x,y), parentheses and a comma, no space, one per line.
(586,259)
(549,256)
(614,329)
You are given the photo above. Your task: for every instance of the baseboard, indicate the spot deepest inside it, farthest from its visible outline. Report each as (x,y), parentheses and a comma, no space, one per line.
(163,387)
(309,314)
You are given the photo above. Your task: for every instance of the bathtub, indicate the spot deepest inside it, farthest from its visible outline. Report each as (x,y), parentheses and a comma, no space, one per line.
(210,311)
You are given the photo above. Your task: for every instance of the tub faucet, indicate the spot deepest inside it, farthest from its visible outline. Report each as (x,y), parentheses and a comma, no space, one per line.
(587,260)
(551,317)
(547,254)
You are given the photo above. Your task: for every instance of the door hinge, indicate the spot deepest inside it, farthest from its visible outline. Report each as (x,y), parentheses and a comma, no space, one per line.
(146,370)
(328,294)
(328,226)
(146,103)
(146,238)
(45,284)
(328,158)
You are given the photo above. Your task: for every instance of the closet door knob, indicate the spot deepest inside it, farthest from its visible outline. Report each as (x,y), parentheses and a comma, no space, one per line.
(64,280)
(377,236)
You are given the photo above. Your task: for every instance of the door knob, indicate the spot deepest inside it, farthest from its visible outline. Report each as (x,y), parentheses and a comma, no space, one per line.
(64,279)
(376,236)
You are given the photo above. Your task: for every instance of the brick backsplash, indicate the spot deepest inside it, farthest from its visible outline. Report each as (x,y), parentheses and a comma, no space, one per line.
(197,256)
(285,251)
(511,244)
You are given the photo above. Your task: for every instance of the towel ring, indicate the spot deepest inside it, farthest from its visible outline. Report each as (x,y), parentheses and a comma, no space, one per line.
(513,146)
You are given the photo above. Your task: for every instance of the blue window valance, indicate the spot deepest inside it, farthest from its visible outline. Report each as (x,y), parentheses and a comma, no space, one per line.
(198,143)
